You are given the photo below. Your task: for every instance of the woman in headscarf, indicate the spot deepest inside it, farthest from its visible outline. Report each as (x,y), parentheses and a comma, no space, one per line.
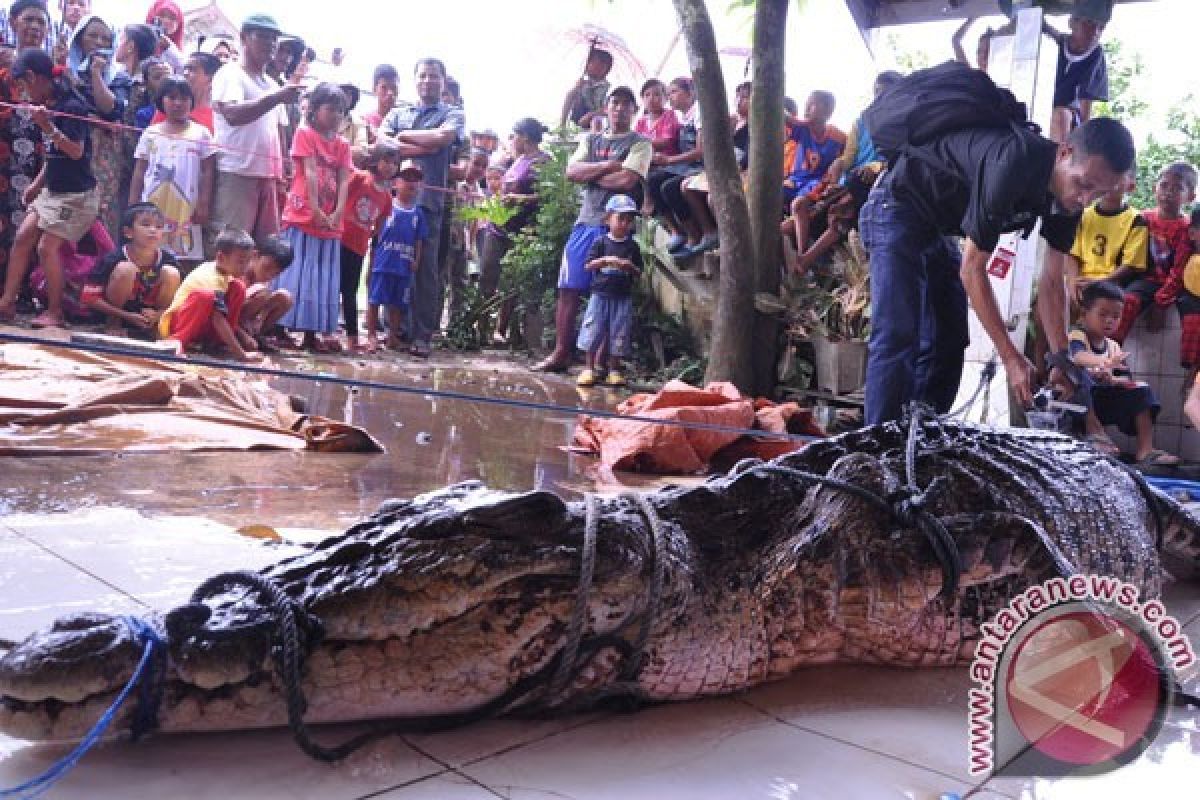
(519,190)
(166,18)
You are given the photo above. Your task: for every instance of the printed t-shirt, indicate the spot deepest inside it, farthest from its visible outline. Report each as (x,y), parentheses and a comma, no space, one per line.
(172,182)
(329,156)
(396,246)
(1109,240)
(367,207)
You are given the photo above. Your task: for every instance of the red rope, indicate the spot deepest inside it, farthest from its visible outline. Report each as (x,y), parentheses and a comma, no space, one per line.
(120,126)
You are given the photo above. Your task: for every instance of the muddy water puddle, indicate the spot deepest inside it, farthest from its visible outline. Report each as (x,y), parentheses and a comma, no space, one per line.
(430,441)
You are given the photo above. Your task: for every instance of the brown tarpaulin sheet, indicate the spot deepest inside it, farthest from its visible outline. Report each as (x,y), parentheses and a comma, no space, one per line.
(636,446)
(55,401)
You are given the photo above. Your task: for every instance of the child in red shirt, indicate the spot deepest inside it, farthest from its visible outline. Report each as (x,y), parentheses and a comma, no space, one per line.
(367,206)
(316,204)
(1170,246)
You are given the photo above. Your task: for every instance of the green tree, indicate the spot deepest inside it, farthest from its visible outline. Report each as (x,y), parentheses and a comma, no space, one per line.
(1181,143)
(1126,72)
(907,60)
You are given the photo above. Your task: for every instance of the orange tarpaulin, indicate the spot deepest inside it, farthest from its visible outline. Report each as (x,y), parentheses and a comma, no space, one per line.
(637,446)
(55,401)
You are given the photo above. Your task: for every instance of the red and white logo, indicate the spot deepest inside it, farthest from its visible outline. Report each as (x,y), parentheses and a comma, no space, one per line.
(1075,678)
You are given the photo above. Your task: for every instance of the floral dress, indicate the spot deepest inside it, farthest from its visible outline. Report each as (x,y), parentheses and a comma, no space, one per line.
(22,150)
(112,151)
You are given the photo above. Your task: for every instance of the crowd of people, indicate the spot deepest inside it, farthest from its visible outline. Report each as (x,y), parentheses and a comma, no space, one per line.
(218,198)
(132,175)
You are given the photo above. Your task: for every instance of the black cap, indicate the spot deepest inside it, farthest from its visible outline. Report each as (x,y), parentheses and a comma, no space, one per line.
(530,128)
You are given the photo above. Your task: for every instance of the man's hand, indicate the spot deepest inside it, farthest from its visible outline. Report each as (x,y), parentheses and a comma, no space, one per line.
(288,93)
(1020,377)
(148,317)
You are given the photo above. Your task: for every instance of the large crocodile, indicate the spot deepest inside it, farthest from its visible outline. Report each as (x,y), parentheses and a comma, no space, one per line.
(467,602)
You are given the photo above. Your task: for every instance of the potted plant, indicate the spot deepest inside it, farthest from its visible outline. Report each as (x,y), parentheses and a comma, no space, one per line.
(831,308)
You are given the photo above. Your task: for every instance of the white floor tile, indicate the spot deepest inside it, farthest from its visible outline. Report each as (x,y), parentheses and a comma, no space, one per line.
(37,587)
(919,716)
(484,739)
(712,749)
(1170,397)
(159,560)
(447,786)
(259,764)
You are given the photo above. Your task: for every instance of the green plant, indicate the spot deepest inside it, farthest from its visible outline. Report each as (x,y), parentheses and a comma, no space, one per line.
(531,266)
(472,324)
(834,298)
(491,209)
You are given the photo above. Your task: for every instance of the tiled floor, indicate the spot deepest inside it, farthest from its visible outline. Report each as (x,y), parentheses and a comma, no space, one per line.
(829,732)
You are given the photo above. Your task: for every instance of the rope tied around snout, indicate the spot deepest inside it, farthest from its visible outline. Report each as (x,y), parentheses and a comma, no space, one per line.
(147,676)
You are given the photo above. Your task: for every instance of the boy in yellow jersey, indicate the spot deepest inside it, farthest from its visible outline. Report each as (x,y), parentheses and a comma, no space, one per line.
(1112,242)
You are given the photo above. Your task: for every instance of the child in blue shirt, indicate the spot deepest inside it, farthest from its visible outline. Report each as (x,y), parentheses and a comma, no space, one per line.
(396,257)
(615,261)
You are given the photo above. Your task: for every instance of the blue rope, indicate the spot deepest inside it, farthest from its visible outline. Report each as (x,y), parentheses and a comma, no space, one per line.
(38,786)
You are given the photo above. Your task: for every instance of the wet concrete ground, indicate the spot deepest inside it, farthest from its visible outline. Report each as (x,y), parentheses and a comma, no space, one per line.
(129,534)
(430,442)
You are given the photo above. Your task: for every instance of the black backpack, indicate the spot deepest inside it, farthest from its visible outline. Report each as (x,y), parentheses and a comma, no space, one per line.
(936,101)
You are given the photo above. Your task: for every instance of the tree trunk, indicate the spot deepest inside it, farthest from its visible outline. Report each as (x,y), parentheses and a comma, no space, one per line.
(733,333)
(766,177)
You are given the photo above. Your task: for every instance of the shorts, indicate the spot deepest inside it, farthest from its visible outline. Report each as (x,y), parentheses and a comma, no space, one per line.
(390,289)
(246,202)
(608,317)
(572,271)
(1120,406)
(67,215)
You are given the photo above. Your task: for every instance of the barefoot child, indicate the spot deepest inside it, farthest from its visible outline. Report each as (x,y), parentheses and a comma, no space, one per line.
(1115,398)
(207,308)
(368,205)
(263,307)
(313,219)
(62,200)
(397,255)
(133,285)
(616,261)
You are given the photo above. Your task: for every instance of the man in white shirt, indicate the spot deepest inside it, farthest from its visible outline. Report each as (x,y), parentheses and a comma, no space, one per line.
(249,113)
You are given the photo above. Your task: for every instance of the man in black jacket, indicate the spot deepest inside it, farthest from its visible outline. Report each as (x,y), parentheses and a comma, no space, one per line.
(978,183)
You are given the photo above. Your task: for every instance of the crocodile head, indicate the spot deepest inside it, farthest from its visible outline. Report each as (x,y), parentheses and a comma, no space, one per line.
(61,674)
(432,606)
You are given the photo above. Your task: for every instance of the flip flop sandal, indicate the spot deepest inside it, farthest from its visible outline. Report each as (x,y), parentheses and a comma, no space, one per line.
(1159,458)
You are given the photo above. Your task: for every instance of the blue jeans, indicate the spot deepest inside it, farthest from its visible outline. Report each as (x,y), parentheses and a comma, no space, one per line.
(918,309)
